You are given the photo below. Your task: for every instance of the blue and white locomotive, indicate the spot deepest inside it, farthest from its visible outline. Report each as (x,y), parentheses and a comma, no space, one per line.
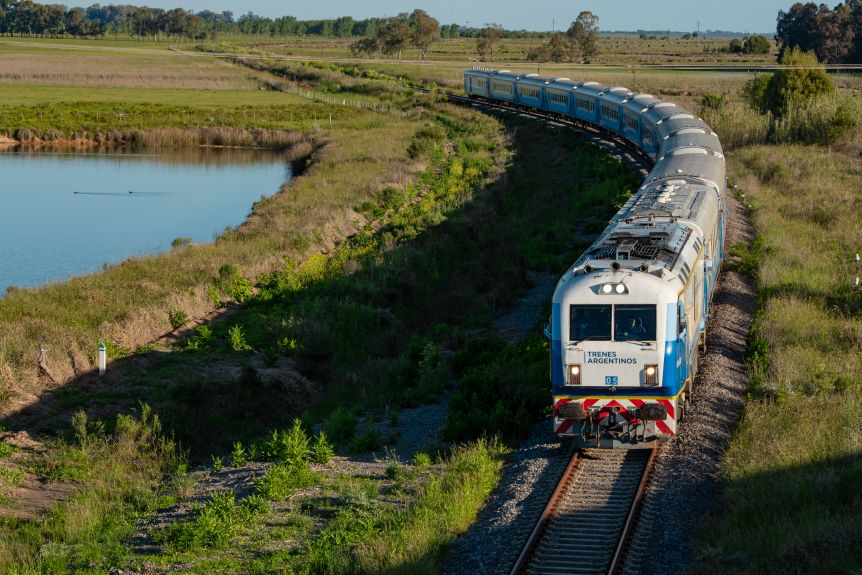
(629,316)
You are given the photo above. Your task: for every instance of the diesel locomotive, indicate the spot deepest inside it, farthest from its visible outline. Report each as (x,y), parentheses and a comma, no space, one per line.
(630,315)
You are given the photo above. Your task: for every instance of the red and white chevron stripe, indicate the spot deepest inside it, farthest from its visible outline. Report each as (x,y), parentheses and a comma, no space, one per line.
(624,408)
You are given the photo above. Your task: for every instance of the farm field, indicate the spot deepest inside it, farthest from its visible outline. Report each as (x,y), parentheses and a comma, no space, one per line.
(228,360)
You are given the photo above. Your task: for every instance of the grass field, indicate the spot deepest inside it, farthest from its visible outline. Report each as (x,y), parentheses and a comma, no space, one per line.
(431,191)
(794,469)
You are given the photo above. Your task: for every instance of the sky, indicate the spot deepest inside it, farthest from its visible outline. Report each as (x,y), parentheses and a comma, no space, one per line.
(732,15)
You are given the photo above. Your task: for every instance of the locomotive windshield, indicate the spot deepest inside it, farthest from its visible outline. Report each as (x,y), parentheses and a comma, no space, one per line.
(630,322)
(634,323)
(590,322)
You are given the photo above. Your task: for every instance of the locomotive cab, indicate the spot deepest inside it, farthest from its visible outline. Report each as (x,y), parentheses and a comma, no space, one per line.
(614,355)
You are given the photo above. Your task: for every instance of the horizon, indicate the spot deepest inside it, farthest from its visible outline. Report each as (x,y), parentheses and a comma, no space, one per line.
(614,16)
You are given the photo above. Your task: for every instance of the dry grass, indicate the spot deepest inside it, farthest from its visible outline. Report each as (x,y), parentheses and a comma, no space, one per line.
(131,71)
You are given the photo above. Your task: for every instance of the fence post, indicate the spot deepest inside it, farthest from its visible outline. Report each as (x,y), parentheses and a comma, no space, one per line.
(103,358)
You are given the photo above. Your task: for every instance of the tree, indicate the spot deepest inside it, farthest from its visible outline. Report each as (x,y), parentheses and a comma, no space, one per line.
(426,30)
(584,33)
(798,27)
(344,27)
(488,39)
(756,44)
(394,36)
(735,46)
(558,48)
(837,35)
(365,46)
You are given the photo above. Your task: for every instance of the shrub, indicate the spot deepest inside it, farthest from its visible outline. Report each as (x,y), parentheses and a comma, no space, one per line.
(281,480)
(368,441)
(289,447)
(806,80)
(219,521)
(178,318)
(321,450)
(203,339)
(231,282)
(180,242)
(421,459)
(340,426)
(237,339)
(238,456)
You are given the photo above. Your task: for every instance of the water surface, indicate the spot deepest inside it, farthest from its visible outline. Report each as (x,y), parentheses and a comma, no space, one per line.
(66,213)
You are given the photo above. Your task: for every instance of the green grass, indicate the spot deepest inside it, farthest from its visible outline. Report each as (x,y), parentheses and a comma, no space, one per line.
(792,472)
(434,193)
(118,474)
(23,94)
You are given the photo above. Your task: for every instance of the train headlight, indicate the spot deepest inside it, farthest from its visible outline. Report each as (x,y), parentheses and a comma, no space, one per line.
(651,375)
(573,374)
(613,288)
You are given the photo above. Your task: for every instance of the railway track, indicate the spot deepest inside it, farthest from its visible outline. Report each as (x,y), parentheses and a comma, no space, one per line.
(587,524)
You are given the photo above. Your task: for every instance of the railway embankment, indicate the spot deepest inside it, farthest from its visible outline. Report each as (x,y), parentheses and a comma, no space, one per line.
(377,323)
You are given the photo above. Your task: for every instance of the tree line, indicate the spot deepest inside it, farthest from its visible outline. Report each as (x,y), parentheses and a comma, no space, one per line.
(833,34)
(25,17)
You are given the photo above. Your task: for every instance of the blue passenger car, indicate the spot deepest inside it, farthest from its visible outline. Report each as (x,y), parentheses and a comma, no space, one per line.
(558,96)
(477,83)
(503,87)
(611,108)
(586,102)
(531,91)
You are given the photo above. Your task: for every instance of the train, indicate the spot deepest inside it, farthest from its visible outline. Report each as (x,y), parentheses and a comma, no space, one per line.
(630,316)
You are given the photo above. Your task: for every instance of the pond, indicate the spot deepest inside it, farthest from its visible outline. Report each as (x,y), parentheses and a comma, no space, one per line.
(66,213)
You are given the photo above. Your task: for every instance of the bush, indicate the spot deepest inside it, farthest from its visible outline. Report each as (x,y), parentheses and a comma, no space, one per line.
(203,339)
(340,426)
(321,450)
(178,318)
(368,441)
(281,480)
(237,339)
(807,80)
(232,283)
(216,524)
(289,447)
(181,242)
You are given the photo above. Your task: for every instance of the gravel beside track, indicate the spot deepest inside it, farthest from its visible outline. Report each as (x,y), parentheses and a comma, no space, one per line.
(685,485)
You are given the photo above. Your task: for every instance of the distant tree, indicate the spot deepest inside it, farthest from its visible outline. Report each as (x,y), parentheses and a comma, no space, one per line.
(837,35)
(426,31)
(394,37)
(450,31)
(756,44)
(489,38)
(798,27)
(76,22)
(344,27)
(735,46)
(584,33)
(365,47)
(558,48)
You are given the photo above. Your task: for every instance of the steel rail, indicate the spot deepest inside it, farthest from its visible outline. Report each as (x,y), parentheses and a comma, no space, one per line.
(628,528)
(536,534)
(588,522)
